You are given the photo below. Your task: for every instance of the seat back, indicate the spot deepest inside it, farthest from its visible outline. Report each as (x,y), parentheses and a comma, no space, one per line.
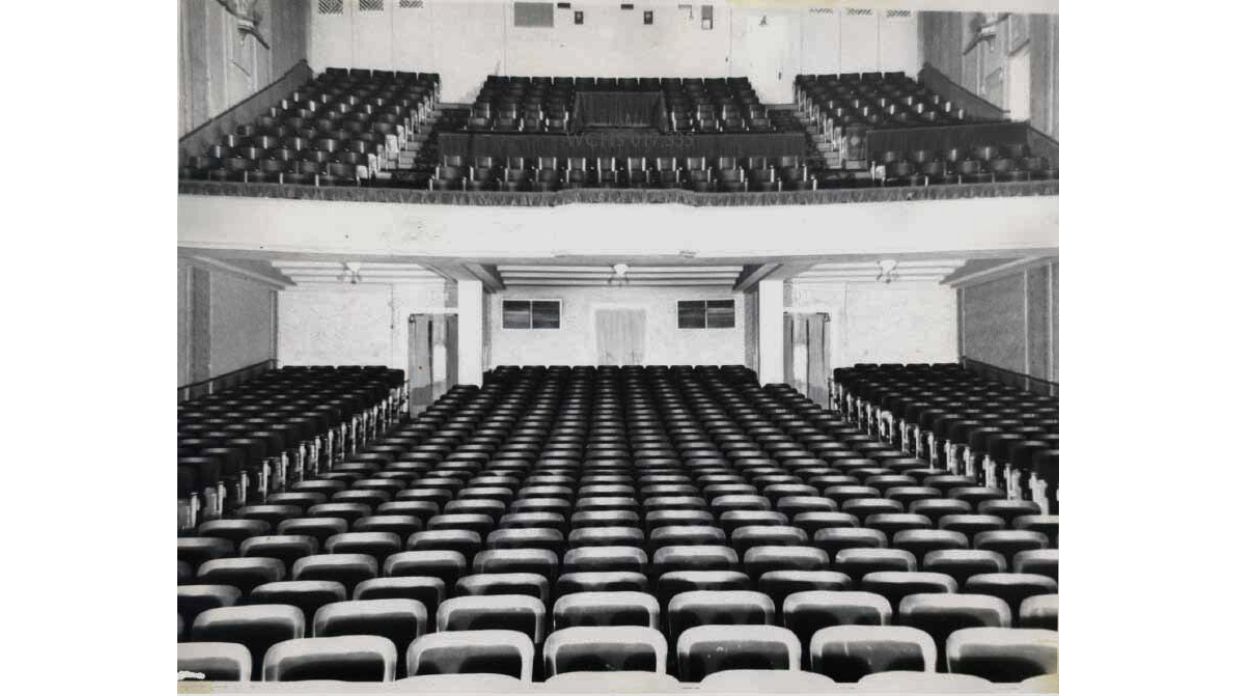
(848,653)
(492,612)
(605,649)
(1003,654)
(255,626)
(606,609)
(472,652)
(348,658)
(705,650)
(214,661)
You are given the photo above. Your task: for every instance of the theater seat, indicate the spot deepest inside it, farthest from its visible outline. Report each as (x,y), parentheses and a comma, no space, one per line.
(1013,588)
(612,683)
(446,566)
(507,612)
(961,564)
(766,681)
(605,649)
(345,568)
(1003,654)
(1040,562)
(242,573)
(346,658)
(941,614)
(257,626)
(924,683)
(194,551)
(717,607)
(601,582)
(1040,611)
(858,562)
(606,609)
(530,584)
(704,650)
(779,584)
(398,620)
(805,613)
(306,595)
(461,683)
(213,662)
(192,600)
(849,653)
(472,652)
(896,585)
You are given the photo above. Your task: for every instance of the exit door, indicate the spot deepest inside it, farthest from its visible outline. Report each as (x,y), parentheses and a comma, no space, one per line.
(431,358)
(620,336)
(807,366)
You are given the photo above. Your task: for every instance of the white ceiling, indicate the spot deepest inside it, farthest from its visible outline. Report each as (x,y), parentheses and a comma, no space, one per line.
(606,275)
(919,270)
(335,272)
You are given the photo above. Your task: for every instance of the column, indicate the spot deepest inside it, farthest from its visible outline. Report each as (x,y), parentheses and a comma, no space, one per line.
(772,331)
(471,338)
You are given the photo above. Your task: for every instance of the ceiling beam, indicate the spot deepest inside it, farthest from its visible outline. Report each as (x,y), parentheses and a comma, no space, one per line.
(488,274)
(607,269)
(961,280)
(511,282)
(275,279)
(753,273)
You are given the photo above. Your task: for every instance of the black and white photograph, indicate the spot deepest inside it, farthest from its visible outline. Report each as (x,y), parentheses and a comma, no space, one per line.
(607,347)
(620,346)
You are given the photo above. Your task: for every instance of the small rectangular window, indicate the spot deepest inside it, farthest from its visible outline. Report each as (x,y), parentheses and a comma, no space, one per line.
(330,6)
(706,314)
(531,314)
(534,14)
(692,315)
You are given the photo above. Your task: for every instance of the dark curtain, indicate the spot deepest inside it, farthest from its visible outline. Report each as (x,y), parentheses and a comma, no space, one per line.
(632,143)
(613,109)
(941,138)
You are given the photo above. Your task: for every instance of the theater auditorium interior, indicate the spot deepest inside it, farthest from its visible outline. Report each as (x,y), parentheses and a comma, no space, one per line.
(593,346)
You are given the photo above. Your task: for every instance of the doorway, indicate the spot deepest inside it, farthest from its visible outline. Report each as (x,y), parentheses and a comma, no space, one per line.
(620,336)
(431,363)
(807,365)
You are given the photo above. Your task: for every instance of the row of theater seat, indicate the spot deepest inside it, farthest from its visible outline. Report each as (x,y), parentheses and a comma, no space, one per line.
(746,500)
(524,104)
(872,100)
(703,174)
(997,434)
(238,446)
(981,164)
(338,128)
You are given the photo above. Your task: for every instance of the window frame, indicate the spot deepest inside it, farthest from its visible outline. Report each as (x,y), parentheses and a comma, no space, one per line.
(530,302)
(707,326)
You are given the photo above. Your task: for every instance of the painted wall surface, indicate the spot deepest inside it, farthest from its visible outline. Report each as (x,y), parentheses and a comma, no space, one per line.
(218,66)
(223,322)
(466,40)
(984,70)
(575,342)
(242,323)
(874,322)
(352,324)
(994,322)
(1013,321)
(184,299)
(751,329)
